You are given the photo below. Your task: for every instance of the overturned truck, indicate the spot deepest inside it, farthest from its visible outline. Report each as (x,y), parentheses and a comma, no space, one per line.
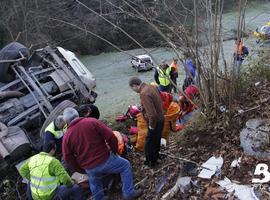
(34,89)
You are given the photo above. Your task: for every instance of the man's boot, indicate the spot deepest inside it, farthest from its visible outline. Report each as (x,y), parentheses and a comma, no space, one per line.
(135,195)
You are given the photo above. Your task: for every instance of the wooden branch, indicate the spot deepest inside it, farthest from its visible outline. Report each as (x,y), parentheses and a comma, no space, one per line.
(141,181)
(248,110)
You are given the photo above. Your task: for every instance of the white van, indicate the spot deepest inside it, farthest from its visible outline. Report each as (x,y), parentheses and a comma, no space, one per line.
(142,63)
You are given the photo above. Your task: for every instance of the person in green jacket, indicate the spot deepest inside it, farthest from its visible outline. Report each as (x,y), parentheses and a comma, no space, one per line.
(48,179)
(162,75)
(55,132)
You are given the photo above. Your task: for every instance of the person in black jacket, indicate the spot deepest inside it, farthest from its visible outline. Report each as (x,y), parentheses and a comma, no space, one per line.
(88,110)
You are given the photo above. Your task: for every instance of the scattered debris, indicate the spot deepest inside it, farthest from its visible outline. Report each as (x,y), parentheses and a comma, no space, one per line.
(163,142)
(236,163)
(213,164)
(257,83)
(162,181)
(222,109)
(182,184)
(79,178)
(242,192)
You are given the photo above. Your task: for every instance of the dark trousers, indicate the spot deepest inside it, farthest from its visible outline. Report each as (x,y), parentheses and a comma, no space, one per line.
(187,82)
(167,88)
(174,79)
(152,144)
(73,192)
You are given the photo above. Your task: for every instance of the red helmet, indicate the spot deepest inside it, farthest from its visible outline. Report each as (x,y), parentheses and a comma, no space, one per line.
(133,111)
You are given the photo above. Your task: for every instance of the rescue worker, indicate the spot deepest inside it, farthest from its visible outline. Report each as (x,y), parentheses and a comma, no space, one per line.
(174,67)
(186,106)
(54,132)
(161,77)
(240,51)
(88,110)
(90,146)
(48,178)
(153,113)
(190,70)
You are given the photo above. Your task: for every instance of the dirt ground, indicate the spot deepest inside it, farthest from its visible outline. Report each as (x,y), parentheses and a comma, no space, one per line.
(198,142)
(201,140)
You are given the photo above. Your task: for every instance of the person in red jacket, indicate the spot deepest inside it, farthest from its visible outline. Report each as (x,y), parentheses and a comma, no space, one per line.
(90,145)
(186,107)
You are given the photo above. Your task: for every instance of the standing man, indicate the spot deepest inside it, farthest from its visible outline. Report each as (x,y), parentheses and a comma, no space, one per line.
(190,70)
(48,178)
(153,113)
(89,145)
(174,67)
(240,51)
(161,77)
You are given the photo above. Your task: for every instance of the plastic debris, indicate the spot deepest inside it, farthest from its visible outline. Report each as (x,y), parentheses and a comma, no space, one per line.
(214,166)
(163,142)
(183,184)
(190,169)
(242,192)
(257,83)
(162,182)
(236,163)
(79,178)
(222,109)
(241,111)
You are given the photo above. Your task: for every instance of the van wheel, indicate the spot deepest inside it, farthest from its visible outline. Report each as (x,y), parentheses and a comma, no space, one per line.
(138,68)
(58,110)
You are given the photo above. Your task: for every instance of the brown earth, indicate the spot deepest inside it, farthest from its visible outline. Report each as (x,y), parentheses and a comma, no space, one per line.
(202,139)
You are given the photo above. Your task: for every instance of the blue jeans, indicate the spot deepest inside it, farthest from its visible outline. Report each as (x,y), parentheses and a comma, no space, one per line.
(64,192)
(183,120)
(114,165)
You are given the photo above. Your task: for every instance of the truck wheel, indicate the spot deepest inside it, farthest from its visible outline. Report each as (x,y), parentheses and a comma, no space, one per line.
(10,52)
(58,110)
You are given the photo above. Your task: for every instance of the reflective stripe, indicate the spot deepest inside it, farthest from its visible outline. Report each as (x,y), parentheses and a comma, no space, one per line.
(43,179)
(44,188)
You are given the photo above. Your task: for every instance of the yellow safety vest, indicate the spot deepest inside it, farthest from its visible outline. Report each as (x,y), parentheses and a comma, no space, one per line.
(57,134)
(42,184)
(163,80)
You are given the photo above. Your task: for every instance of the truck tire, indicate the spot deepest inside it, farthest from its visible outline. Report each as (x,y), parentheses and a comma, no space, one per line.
(10,52)
(58,110)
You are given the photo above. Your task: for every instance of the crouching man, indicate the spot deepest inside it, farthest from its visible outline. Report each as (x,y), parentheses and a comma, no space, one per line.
(54,133)
(90,145)
(48,178)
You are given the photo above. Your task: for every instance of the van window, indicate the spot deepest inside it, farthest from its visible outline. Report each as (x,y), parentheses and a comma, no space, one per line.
(78,65)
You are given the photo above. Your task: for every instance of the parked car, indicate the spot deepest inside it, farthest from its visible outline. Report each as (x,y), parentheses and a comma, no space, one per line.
(34,90)
(142,63)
